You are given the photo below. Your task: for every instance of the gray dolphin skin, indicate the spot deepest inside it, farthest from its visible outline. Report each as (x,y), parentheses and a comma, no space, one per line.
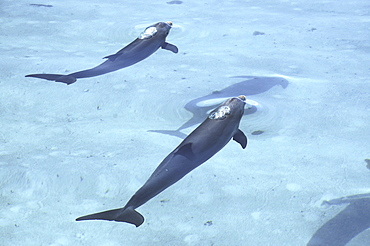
(207,139)
(149,41)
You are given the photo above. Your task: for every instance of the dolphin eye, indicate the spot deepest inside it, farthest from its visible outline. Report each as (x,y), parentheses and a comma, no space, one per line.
(148,33)
(220,114)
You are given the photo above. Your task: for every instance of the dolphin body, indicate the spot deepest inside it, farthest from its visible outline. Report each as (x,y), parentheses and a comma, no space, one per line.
(149,41)
(207,139)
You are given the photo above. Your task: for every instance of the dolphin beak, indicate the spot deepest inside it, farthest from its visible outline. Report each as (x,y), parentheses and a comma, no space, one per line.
(169,23)
(242,97)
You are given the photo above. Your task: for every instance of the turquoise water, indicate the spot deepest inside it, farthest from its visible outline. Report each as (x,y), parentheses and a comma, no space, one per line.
(67,151)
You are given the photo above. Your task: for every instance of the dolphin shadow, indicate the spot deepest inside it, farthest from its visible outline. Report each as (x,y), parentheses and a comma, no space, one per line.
(346,225)
(199,107)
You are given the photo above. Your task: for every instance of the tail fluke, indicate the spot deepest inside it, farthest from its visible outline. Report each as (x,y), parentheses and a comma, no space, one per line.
(128,215)
(66,79)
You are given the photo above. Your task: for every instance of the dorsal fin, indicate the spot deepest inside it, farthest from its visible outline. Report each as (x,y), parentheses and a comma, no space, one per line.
(112,57)
(186,151)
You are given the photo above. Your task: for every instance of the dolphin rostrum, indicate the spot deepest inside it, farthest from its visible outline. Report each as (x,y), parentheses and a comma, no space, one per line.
(148,42)
(207,139)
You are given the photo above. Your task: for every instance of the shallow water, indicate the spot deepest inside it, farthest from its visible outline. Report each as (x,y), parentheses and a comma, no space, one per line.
(67,151)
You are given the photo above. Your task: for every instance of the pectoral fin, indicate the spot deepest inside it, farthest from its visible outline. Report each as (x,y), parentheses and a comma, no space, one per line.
(170,47)
(240,138)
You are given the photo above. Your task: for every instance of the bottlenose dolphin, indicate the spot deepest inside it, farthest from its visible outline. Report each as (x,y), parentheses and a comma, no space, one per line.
(207,139)
(148,42)
(199,107)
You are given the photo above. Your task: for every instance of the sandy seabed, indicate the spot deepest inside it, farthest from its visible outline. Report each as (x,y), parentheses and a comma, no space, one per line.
(68,151)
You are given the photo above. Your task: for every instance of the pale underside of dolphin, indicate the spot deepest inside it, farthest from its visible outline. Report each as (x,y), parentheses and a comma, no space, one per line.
(207,139)
(149,41)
